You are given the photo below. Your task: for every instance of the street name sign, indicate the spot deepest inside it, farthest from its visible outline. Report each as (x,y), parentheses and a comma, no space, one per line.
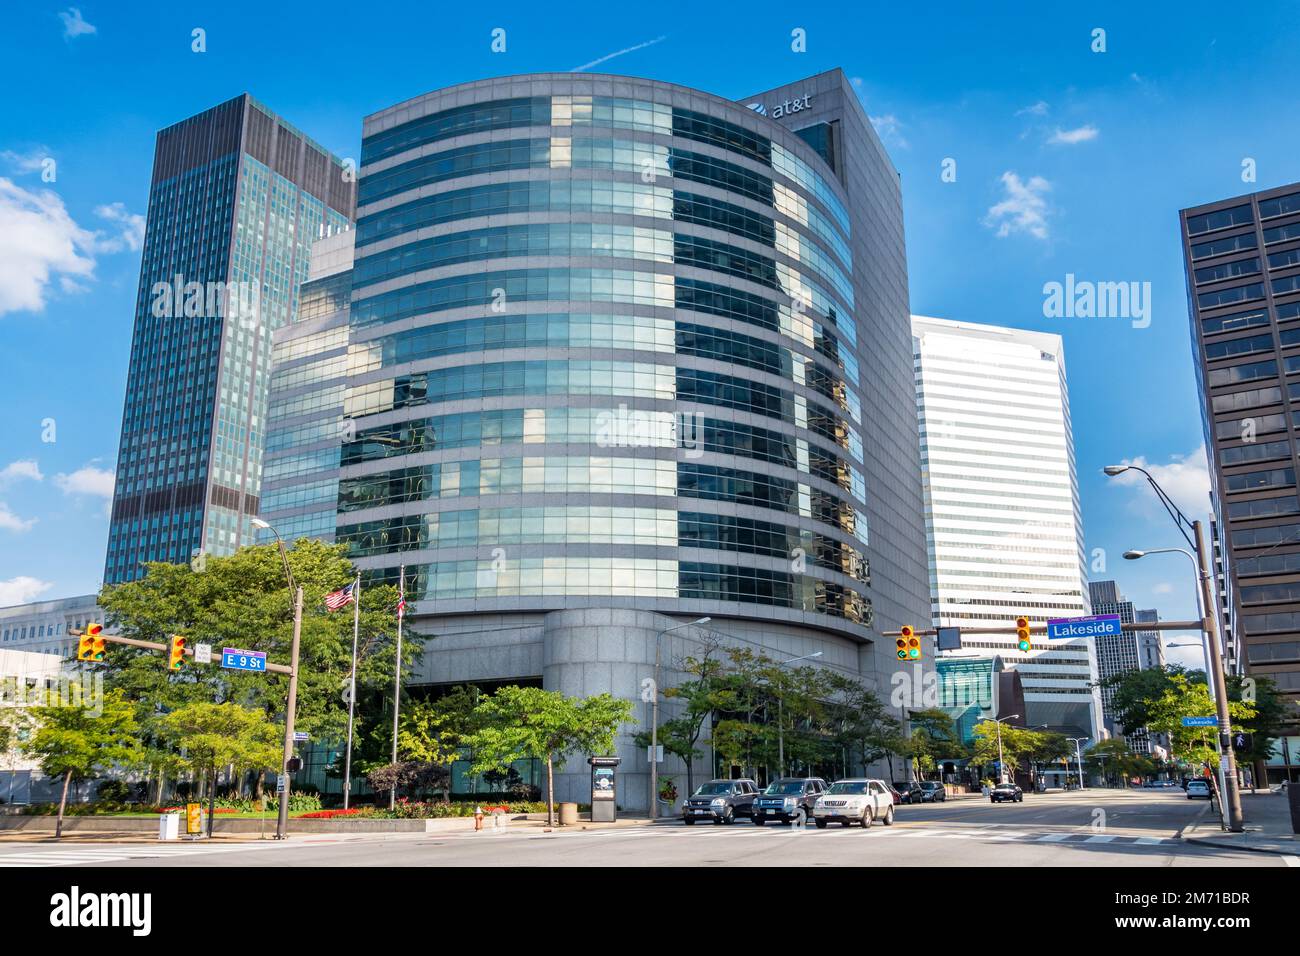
(237,659)
(1200,721)
(1098,625)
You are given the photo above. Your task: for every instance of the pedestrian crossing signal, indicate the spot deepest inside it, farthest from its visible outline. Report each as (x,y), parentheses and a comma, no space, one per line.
(1023,639)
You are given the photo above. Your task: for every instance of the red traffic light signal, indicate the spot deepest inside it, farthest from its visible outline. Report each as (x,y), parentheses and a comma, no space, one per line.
(90,646)
(176,653)
(1023,638)
(908,644)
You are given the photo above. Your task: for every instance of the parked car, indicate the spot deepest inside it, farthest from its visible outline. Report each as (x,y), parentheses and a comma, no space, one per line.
(910,792)
(933,792)
(1196,789)
(1006,792)
(857,800)
(721,801)
(787,799)
(893,792)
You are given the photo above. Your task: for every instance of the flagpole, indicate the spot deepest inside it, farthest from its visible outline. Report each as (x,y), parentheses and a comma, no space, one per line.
(397,676)
(352,690)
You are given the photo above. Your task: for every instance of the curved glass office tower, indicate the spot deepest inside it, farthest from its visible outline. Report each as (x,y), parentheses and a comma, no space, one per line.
(621,350)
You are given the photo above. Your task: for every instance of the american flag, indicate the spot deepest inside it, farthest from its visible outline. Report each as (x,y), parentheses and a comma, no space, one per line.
(340,598)
(401,593)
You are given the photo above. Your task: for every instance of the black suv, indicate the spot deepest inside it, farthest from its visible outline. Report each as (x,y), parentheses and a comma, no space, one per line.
(909,792)
(720,801)
(787,799)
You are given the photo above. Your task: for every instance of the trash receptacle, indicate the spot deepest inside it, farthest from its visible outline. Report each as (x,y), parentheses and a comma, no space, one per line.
(568,814)
(169,826)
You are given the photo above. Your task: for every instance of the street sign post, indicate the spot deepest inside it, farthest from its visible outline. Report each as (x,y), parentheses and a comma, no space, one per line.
(1069,628)
(237,659)
(1200,721)
(202,653)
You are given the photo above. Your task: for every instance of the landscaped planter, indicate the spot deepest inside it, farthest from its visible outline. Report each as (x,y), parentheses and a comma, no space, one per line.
(142,825)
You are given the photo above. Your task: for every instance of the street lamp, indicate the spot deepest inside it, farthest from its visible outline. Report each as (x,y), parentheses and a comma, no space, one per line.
(282,817)
(1210,625)
(780,715)
(1002,771)
(1078,755)
(654,718)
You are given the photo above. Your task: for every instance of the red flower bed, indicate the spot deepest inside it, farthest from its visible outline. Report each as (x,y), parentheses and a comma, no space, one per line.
(327,814)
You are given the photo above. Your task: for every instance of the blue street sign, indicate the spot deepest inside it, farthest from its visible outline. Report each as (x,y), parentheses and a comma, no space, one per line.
(301,736)
(237,659)
(1099,625)
(1200,721)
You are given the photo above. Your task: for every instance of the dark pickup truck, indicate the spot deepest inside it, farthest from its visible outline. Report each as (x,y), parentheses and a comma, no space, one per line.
(787,799)
(720,801)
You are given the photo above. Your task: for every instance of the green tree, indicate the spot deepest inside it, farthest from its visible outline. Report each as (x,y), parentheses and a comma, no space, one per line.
(1112,758)
(209,736)
(1188,696)
(1270,718)
(934,736)
(1018,744)
(1136,691)
(528,722)
(244,601)
(81,738)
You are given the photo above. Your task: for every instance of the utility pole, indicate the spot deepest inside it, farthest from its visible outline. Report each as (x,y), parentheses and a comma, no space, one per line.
(1227,759)
(282,820)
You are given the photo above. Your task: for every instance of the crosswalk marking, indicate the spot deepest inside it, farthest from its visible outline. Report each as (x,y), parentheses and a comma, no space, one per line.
(1100,839)
(30,856)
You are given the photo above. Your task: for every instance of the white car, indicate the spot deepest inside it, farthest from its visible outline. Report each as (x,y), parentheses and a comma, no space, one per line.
(857,800)
(1197,789)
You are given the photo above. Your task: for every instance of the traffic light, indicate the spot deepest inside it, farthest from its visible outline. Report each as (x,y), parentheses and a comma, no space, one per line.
(908,644)
(176,653)
(1242,741)
(90,646)
(1025,642)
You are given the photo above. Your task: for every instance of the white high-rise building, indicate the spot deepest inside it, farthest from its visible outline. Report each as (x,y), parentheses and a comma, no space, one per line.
(1003,525)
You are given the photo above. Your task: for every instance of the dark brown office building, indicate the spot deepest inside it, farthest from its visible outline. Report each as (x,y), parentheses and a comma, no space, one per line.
(1243,281)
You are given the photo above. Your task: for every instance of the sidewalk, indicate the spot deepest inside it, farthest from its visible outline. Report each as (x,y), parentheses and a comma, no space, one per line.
(1268,826)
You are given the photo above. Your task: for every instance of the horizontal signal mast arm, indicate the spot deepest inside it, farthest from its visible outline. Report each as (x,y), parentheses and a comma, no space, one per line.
(151,646)
(1042,628)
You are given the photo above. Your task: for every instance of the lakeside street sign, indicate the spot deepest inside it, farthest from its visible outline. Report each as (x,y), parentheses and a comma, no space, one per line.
(1200,721)
(1098,625)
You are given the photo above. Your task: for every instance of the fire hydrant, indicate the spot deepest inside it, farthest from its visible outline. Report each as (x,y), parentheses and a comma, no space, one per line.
(478,818)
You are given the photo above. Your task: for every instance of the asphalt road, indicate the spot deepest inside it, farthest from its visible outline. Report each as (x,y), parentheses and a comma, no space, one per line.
(1090,828)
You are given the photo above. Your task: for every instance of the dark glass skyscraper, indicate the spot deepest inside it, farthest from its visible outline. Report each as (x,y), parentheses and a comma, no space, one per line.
(236,200)
(1243,281)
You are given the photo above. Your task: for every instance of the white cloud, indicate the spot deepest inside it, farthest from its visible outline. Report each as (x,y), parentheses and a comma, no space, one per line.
(22,468)
(889,129)
(28,162)
(22,590)
(1022,207)
(1164,587)
(87,480)
(1184,478)
(74,25)
(11,522)
(1071,137)
(40,244)
(132,227)
(1038,109)
(610,56)
(38,239)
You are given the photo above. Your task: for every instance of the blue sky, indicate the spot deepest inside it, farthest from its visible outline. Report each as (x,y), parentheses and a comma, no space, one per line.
(1088,155)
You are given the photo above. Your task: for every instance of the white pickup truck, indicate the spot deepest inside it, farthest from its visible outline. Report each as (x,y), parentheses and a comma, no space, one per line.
(858,800)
